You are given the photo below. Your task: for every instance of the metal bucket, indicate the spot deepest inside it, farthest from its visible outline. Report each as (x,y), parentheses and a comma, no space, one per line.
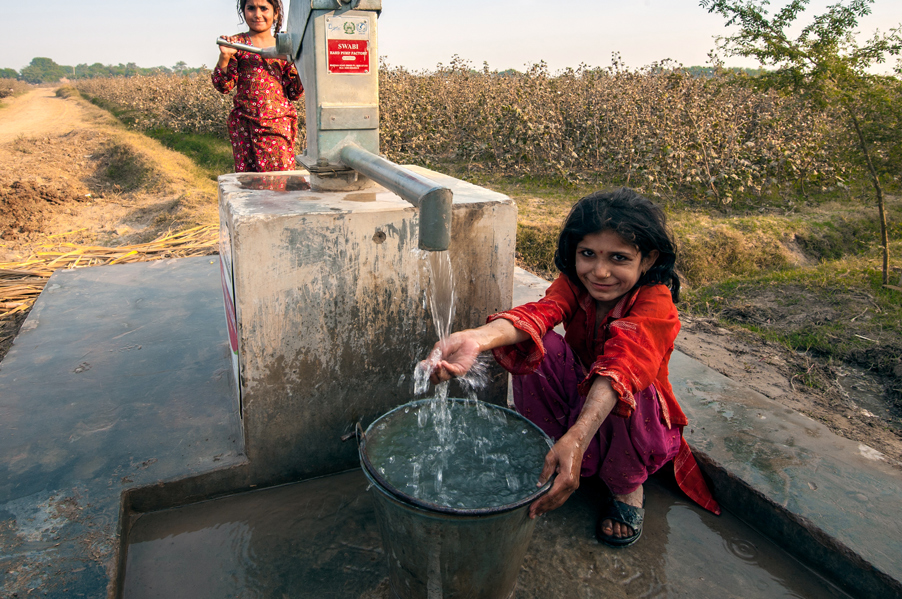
(439,552)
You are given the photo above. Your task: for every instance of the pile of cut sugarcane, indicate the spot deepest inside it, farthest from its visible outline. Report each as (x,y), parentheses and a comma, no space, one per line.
(22,282)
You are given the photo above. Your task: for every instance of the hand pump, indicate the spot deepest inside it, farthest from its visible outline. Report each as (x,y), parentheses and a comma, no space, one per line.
(334,44)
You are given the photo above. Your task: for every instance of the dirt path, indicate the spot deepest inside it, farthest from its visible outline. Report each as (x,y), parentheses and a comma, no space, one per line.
(39,113)
(69,172)
(72,174)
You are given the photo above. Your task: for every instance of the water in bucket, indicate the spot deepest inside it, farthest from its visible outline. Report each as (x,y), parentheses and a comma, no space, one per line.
(483,456)
(461,535)
(453,480)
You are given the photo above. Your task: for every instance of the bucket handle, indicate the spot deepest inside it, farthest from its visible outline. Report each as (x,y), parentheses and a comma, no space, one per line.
(361,436)
(357,432)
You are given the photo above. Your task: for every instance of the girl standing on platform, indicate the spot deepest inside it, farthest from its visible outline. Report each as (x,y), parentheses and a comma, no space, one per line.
(601,391)
(263,124)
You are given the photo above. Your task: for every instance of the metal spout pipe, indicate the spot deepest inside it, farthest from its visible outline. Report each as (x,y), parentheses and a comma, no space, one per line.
(432,200)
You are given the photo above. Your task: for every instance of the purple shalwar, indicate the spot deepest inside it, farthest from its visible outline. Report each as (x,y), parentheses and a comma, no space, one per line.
(625,450)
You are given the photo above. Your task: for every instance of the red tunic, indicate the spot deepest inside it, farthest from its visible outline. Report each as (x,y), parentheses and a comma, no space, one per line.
(263,122)
(632,348)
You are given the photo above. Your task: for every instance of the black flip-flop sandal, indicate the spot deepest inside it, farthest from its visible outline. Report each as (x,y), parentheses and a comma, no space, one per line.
(623,513)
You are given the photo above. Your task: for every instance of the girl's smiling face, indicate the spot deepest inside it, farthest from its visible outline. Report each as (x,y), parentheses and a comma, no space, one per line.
(259,15)
(610,267)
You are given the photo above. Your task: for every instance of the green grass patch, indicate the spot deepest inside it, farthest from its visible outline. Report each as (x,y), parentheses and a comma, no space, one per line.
(838,310)
(127,117)
(67,91)
(536,245)
(540,199)
(125,168)
(209,152)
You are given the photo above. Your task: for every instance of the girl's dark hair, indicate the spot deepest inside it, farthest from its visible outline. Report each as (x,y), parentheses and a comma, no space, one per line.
(636,219)
(278,12)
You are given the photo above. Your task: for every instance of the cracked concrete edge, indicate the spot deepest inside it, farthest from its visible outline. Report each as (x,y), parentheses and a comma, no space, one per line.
(819,550)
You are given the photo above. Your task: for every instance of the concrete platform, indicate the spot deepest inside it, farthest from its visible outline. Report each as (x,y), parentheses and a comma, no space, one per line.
(116,400)
(119,378)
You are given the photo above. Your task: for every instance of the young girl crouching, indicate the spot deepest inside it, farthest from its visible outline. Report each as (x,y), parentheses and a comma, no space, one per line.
(601,391)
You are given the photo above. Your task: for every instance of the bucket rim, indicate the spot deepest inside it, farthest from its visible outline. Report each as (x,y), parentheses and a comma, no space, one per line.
(384,486)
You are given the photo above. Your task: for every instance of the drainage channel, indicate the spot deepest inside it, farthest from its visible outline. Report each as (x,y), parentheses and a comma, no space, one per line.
(319,539)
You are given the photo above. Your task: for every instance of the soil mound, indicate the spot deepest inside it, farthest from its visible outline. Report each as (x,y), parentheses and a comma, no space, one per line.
(25,206)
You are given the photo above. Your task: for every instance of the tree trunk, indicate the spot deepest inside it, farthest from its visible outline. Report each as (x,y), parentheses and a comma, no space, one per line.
(875,180)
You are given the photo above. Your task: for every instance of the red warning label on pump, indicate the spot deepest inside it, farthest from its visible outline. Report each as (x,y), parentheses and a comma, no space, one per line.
(348,56)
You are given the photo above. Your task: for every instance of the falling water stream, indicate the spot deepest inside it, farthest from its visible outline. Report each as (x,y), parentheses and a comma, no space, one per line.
(463,453)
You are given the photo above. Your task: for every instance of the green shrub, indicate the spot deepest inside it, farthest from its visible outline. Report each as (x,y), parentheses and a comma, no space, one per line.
(66,91)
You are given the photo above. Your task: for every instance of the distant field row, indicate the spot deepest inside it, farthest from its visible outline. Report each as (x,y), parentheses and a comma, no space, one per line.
(771,214)
(665,132)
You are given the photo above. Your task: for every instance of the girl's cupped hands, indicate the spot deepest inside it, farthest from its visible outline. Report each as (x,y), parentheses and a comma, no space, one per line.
(452,357)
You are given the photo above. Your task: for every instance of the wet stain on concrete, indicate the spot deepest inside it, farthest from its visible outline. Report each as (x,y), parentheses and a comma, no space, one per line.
(319,539)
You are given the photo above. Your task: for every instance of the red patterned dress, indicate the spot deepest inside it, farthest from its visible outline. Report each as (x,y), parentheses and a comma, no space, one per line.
(263,125)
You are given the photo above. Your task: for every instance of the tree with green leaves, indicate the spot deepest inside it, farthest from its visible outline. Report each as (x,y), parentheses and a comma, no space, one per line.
(826,64)
(43,70)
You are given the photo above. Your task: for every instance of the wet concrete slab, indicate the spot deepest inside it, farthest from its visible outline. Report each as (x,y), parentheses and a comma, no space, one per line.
(94,433)
(119,378)
(319,539)
(836,502)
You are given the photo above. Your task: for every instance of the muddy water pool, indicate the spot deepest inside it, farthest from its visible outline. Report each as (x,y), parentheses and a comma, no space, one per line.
(319,539)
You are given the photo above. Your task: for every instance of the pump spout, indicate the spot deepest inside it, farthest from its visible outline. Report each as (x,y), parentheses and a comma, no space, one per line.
(432,200)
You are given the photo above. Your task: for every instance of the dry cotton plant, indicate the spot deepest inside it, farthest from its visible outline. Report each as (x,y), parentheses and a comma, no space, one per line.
(657,128)
(178,103)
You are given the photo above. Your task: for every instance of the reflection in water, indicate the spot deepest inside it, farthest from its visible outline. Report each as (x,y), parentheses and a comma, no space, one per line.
(684,552)
(731,561)
(316,539)
(274,182)
(319,539)
(198,577)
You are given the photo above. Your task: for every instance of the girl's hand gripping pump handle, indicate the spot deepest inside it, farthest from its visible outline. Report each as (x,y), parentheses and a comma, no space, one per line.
(270,52)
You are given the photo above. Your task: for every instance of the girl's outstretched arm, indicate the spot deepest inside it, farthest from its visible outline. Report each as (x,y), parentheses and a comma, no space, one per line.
(566,457)
(455,355)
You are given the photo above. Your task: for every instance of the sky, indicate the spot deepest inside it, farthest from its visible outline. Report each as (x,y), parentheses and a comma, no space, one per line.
(415,34)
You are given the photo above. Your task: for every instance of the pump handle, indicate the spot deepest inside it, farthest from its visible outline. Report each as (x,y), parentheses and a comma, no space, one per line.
(268,52)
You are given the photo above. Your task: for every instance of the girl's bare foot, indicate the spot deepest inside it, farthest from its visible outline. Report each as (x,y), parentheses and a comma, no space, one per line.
(617,529)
